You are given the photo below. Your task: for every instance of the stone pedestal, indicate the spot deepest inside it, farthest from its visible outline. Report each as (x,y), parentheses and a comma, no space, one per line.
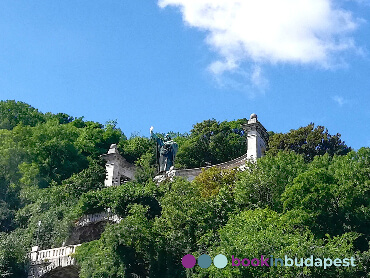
(118,169)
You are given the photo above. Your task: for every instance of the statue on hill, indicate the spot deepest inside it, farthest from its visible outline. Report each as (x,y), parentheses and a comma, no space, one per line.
(166,149)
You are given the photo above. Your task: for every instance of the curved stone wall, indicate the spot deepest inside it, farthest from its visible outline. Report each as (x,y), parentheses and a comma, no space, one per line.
(190,174)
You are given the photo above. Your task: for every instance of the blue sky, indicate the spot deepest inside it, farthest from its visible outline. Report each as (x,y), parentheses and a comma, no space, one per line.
(172,63)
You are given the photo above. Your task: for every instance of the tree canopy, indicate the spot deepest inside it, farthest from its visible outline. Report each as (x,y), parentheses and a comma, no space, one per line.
(310,195)
(309,141)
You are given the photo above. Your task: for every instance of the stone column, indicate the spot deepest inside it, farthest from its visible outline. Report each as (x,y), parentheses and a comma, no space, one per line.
(34,253)
(257,138)
(117,167)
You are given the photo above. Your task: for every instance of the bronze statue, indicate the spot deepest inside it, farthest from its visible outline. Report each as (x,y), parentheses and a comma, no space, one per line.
(167,149)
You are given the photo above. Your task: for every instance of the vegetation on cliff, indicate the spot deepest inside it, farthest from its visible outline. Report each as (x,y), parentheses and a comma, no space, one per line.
(308,196)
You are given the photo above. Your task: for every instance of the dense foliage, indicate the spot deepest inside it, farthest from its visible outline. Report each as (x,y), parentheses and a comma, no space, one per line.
(211,142)
(308,141)
(309,195)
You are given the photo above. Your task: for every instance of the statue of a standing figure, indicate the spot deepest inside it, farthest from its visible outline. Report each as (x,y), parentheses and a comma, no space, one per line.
(167,149)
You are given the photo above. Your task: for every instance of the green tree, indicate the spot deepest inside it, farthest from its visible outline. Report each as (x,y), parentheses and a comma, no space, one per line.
(124,250)
(12,255)
(91,178)
(335,192)
(136,147)
(95,139)
(212,142)
(262,183)
(255,233)
(51,147)
(62,118)
(14,112)
(213,179)
(309,141)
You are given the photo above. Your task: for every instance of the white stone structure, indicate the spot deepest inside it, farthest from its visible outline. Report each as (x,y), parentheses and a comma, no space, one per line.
(44,261)
(257,138)
(118,169)
(97,217)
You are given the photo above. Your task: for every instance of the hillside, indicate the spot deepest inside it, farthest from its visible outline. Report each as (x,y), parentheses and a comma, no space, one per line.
(309,195)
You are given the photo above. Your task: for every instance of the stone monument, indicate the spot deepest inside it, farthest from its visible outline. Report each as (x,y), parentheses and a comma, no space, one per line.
(257,138)
(166,149)
(118,169)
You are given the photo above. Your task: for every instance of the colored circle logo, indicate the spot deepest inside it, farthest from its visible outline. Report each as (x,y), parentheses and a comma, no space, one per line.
(188,261)
(204,261)
(220,261)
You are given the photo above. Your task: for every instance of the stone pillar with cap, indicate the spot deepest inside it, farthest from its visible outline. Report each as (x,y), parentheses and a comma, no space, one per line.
(34,253)
(117,168)
(257,138)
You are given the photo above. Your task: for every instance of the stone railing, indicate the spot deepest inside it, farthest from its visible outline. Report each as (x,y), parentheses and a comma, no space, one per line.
(97,217)
(51,253)
(43,261)
(235,163)
(190,174)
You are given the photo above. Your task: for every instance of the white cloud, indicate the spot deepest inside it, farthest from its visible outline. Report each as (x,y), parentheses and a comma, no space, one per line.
(339,100)
(258,79)
(219,67)
(269,31)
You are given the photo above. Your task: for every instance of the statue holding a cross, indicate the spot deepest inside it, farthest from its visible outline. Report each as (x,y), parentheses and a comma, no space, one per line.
(166,149)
